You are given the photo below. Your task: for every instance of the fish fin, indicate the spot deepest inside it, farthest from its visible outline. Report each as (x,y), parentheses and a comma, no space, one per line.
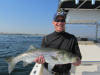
(32,47)
(50,66)
(25,63)
(54,58)
(11,65)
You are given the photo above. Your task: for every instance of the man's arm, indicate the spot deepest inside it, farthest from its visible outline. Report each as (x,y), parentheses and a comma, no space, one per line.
(77,52)
(44,43)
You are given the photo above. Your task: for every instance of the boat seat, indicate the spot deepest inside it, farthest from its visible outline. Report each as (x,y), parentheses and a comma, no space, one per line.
(86,43)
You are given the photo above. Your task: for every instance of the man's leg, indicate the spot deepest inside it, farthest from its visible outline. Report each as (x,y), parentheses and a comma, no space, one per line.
(45,72)
(67,73)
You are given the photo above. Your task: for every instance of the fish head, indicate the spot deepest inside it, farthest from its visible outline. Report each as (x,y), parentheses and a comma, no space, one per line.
(73,58)
(67,57)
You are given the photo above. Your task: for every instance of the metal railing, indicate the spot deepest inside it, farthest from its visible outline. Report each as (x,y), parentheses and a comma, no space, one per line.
(77,1)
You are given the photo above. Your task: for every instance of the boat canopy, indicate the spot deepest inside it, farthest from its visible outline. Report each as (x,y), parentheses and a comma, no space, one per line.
(83,4)
(84,11)
(83,16)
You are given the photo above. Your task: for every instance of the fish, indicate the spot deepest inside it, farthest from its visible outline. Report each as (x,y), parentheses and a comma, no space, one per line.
(52,56)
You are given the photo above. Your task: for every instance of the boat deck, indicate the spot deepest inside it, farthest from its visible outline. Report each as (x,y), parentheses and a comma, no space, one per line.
(90,59)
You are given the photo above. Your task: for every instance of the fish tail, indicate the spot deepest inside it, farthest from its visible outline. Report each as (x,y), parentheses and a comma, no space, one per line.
(11,65)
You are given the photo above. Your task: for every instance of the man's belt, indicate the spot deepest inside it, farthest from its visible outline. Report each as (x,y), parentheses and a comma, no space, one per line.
(55,73)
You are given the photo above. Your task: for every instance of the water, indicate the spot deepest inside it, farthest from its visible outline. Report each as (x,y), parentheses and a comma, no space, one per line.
(13,45)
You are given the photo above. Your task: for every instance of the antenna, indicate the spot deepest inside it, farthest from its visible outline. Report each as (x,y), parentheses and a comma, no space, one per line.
(93,2)
(76,1)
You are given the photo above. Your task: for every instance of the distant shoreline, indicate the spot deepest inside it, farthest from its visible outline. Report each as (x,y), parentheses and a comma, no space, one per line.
(39,35)
(23,34)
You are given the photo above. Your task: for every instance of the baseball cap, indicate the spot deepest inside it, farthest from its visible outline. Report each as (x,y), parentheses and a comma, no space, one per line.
(59,14)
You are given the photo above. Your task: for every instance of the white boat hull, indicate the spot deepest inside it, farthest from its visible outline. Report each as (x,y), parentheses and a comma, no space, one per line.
(37,69)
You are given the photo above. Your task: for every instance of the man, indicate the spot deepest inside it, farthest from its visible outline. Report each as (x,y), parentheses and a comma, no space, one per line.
(60,39)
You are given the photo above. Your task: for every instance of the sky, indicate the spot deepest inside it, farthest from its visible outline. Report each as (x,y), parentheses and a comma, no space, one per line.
(35,17)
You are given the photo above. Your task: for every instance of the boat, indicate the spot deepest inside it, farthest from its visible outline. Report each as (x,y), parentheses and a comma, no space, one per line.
(81,12)
(37,69)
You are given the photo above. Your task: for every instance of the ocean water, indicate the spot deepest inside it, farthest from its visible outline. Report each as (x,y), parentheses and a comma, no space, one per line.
(13,45)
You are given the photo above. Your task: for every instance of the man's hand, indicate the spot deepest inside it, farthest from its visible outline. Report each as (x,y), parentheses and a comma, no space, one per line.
(77,63)
(39,60)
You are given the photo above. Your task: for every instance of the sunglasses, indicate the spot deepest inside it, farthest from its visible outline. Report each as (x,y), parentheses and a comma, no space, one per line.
(57,20)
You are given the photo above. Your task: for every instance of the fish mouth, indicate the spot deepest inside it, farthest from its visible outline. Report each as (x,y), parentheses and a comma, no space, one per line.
(77,59)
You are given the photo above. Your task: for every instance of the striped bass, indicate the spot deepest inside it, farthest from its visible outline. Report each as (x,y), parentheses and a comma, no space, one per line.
(51,56)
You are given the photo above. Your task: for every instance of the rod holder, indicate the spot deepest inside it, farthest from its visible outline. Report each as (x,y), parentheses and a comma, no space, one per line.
(93,2)
(76,1)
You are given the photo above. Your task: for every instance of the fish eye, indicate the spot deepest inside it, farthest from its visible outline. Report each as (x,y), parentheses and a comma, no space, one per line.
(77,59)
